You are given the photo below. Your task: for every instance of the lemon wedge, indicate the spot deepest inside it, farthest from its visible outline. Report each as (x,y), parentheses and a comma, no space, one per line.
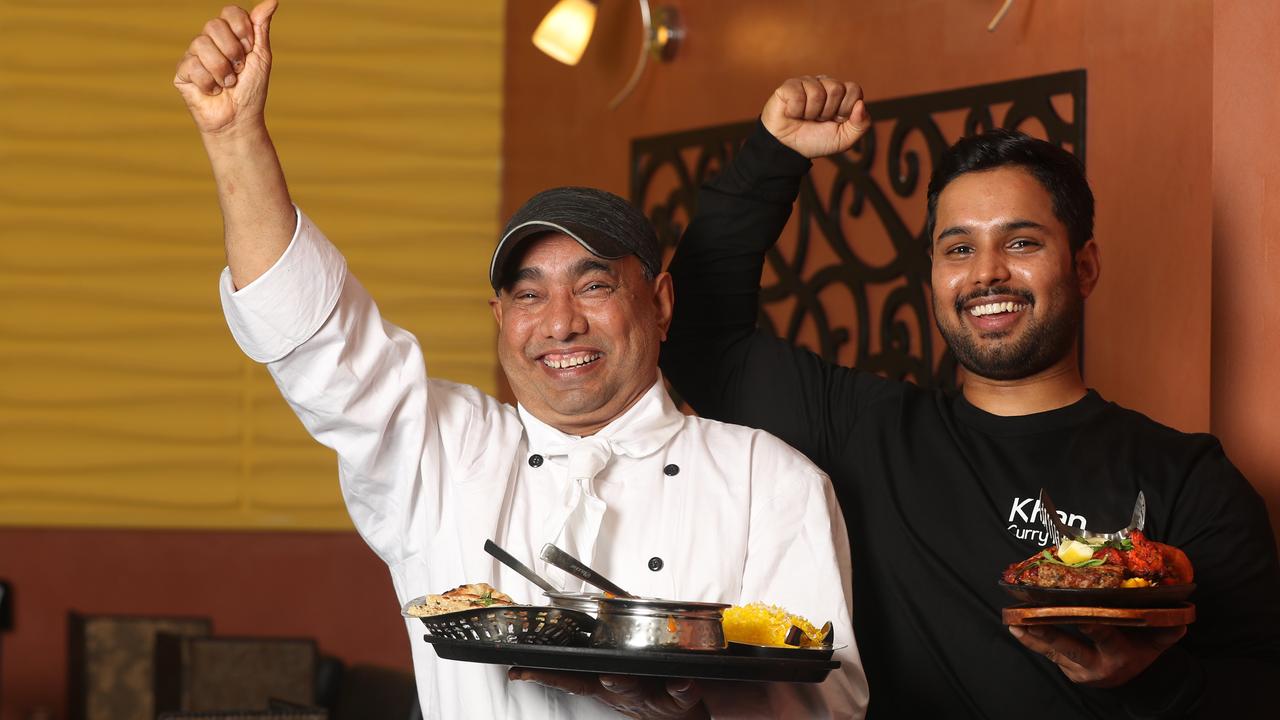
(1072,552)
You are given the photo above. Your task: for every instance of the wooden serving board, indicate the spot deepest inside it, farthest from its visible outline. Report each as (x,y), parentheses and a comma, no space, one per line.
(1180,614)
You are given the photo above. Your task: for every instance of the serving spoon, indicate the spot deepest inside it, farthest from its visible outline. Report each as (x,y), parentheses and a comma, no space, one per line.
(510,561)
(579,569)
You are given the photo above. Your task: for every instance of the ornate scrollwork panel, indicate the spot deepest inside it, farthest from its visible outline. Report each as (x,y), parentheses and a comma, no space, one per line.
(850,277)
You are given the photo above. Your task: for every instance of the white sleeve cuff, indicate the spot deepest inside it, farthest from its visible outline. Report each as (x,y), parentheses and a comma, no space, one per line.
(289,302)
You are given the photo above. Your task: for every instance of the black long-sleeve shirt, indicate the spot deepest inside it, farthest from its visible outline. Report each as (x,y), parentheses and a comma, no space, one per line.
(939,496)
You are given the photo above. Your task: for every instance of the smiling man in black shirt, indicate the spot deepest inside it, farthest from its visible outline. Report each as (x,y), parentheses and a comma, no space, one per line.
(940,489)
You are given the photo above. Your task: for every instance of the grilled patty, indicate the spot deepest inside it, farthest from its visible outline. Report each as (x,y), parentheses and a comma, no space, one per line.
(1062,576)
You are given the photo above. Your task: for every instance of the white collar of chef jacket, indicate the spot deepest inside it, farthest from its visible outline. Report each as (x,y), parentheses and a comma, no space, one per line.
(642,430)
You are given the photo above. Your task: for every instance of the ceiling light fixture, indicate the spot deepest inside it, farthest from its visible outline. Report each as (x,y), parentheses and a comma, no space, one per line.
(564,33)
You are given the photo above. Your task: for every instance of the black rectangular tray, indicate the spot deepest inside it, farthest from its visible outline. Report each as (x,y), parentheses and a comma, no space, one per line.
(701,666)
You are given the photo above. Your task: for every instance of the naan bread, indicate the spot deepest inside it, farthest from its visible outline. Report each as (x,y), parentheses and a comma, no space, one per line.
(463,597)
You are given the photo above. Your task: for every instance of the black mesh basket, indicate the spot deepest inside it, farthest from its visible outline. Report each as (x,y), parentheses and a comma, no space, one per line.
(525,624)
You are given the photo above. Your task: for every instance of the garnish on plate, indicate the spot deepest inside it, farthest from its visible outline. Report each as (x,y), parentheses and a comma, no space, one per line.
(1132,562)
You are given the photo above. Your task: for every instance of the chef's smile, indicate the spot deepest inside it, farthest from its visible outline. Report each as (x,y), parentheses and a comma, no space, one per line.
(565,363)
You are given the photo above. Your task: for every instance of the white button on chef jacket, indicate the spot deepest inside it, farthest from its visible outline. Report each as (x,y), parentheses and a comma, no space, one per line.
(430,469)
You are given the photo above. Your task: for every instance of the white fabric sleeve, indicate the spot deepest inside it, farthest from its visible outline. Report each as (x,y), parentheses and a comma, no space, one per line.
(359,385)
(798,559)
(284,306)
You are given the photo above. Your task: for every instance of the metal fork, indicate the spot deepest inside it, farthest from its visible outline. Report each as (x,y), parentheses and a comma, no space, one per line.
(1058,529)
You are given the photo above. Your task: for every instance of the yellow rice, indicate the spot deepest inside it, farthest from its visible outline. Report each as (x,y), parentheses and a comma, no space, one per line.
(762,624)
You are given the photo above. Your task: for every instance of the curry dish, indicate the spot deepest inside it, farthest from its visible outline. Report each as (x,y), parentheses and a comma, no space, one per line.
(1133,562)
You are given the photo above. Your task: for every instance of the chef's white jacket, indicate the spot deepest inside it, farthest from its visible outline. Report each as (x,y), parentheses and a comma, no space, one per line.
(684,508)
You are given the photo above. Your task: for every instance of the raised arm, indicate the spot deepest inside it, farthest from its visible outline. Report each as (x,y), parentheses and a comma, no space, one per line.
(356,381)
(714,355)
(223,78)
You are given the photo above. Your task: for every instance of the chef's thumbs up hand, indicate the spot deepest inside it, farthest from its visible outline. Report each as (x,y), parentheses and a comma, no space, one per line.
(223,76)
(816,115)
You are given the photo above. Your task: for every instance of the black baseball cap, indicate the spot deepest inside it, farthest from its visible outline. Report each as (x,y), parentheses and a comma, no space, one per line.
(603,223)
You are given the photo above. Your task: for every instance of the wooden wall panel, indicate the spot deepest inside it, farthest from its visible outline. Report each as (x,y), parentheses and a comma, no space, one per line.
(123,400)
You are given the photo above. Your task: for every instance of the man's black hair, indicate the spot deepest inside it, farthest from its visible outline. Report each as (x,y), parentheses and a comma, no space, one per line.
(1059,172)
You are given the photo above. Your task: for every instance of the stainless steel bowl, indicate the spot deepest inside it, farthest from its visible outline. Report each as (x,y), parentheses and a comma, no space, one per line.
(582,602)
(650,624)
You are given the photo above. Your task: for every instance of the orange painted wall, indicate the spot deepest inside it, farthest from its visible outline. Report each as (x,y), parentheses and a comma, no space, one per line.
(328,586)
(1148,157)
(1245,406)
(1181,120)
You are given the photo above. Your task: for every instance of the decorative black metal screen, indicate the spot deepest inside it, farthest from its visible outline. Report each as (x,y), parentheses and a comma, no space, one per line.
(889,295)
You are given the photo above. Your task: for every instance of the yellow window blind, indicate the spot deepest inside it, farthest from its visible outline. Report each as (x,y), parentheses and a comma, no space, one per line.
(123,399)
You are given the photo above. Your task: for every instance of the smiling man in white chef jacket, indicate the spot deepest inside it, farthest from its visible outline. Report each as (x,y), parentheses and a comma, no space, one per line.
(595,457)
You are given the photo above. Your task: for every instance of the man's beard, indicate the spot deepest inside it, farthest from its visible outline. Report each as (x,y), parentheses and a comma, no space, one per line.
(1043,341)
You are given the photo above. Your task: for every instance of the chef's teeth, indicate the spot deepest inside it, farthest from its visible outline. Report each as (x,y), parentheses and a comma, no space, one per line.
(569,362)
(993,308)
